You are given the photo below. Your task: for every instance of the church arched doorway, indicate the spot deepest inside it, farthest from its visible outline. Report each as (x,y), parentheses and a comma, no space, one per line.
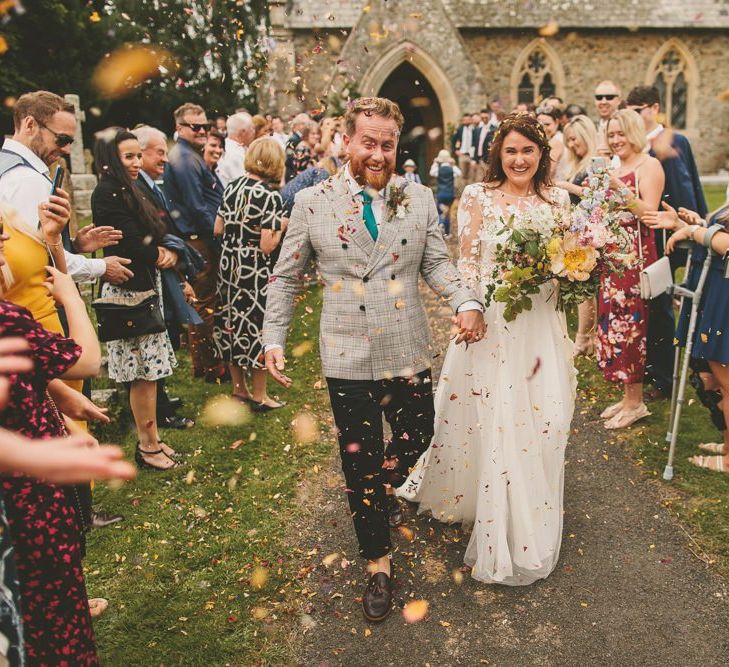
(422,135)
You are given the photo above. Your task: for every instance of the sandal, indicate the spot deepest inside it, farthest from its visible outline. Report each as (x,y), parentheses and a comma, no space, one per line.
(584,345)
(626,418)
(714,463)
(611,411)
(168,451)
(139,455)
(263,407)
(713,447)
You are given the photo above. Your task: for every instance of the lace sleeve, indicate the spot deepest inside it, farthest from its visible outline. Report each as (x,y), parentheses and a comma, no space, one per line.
(470,218)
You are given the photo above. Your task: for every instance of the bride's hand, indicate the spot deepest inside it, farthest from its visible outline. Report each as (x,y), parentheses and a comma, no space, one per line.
(470,326)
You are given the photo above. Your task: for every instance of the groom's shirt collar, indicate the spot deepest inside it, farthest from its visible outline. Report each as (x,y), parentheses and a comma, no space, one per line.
(378,200)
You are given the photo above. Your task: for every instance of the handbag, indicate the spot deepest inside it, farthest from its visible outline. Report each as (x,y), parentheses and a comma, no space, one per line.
(657,278)
(128,316)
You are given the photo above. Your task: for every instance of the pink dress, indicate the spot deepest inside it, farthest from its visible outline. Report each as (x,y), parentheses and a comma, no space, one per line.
(622,316)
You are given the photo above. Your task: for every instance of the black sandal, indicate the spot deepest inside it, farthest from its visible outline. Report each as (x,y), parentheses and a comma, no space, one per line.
(139,455)
(262,407)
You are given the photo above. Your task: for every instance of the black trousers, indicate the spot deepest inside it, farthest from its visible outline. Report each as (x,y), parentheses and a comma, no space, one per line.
(358,407)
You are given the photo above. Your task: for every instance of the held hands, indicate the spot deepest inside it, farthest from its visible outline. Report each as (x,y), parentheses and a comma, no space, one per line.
(60,286)
(470,326)
(54,215)
(166,259)
(91,238)
(276,364)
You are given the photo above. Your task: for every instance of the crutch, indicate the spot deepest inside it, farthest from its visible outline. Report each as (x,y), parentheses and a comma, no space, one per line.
(677,398)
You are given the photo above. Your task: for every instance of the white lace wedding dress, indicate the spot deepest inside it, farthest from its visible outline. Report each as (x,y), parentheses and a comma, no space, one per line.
(503,413)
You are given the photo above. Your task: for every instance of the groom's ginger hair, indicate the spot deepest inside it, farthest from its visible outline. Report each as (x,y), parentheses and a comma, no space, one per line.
(371,106)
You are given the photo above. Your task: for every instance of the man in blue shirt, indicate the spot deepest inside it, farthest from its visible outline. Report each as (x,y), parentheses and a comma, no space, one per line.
(682,188)
(194,195)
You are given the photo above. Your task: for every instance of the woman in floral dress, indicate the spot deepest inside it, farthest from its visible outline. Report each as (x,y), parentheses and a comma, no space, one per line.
(45,520)
(622,314)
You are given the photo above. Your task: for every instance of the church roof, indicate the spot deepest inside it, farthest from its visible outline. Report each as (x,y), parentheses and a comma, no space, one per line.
(707,14)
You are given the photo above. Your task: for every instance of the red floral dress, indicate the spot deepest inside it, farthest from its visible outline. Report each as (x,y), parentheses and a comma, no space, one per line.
(44,519)
(622,316)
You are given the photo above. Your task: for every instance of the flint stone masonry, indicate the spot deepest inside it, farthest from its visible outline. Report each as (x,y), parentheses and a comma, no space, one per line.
(467,50)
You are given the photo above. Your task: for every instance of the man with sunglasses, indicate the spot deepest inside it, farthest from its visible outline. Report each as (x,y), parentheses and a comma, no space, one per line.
(45,126)
(607,102)
(194,194)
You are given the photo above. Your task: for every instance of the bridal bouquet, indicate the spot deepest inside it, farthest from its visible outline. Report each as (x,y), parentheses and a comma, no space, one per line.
(572,247)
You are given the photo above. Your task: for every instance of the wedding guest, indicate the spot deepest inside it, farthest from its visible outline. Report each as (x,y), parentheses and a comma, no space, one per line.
(144,359)
(580,140)
(213,151)
(277,131)
(410,170)
(325,168)
(463,147)
(682,190)
(622,314)
(47,521)
(580,137)
(549,118)
(250,224)
(261,126)
(710,346)
(445,172)
(220,124)
(194,195)
(572,110)
(305,152)
(298,124)
(153,143)
(607,102)
(240,133)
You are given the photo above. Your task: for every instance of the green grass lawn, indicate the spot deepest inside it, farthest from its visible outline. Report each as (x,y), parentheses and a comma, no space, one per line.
(715,196)
(198,573)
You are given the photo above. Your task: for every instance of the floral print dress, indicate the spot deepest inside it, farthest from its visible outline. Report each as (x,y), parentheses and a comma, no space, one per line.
(44,519)
(622,323)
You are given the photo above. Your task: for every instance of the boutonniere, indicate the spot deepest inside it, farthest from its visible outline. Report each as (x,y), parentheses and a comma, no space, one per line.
(398,203)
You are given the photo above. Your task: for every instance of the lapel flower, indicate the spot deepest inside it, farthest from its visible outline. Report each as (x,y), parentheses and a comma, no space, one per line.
(397,202)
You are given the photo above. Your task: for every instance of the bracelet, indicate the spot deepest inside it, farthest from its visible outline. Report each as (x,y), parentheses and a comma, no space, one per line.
(692,233)
(710,233)
(55,245)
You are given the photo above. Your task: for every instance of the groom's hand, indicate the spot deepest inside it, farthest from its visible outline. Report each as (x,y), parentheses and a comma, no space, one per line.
(275,363)
(470,325)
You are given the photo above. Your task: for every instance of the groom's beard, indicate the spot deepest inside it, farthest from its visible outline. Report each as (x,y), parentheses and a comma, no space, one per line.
(376,181)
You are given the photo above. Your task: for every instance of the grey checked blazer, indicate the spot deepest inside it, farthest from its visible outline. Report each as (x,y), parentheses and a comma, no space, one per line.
(373,324)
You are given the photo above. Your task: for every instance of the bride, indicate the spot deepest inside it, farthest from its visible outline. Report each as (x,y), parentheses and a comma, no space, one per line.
(504,405)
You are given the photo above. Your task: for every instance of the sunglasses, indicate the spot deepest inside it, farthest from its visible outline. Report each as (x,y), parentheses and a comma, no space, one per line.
(62,139)
(638,108)
(197,127)
(610,97)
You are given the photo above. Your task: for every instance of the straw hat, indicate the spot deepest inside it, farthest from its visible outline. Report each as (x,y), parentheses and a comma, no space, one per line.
(408,163)
(444,156)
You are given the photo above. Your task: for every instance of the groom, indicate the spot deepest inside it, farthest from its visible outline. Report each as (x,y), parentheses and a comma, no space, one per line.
(372,234)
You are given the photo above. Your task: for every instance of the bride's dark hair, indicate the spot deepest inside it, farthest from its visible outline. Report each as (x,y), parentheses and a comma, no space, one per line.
(530,128)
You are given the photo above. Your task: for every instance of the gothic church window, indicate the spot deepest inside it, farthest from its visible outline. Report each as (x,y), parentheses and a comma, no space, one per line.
(537,74)
(673,72)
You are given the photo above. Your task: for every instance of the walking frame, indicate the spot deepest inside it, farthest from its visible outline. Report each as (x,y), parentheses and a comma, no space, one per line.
(679,383)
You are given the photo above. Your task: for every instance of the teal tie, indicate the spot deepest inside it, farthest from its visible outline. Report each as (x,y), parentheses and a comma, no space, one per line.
(369,215)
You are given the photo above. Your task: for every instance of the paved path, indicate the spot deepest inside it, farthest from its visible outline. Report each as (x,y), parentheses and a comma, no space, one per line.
(627,590)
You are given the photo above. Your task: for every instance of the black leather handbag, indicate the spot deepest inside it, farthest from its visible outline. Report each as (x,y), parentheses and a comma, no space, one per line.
(119,318)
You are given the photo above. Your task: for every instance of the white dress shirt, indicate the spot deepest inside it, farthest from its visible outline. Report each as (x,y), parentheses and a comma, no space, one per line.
(378,198)
(232,164)
(22,189)
(467,147)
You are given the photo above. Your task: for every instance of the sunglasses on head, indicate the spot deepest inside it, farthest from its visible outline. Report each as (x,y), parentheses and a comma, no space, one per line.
(61,138)
(197,127)
(608,97)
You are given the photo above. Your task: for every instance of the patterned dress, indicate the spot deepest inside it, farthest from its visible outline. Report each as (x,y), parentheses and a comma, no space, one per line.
(622,323)
(45,523)
(248,207)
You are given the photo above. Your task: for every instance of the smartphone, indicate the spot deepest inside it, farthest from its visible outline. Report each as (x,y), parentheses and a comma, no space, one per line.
(57,180)
(598,164)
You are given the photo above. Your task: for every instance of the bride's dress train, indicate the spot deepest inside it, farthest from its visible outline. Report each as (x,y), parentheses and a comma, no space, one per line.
(503,412)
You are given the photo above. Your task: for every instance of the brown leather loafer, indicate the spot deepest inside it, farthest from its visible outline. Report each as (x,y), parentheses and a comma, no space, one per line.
(377,599)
